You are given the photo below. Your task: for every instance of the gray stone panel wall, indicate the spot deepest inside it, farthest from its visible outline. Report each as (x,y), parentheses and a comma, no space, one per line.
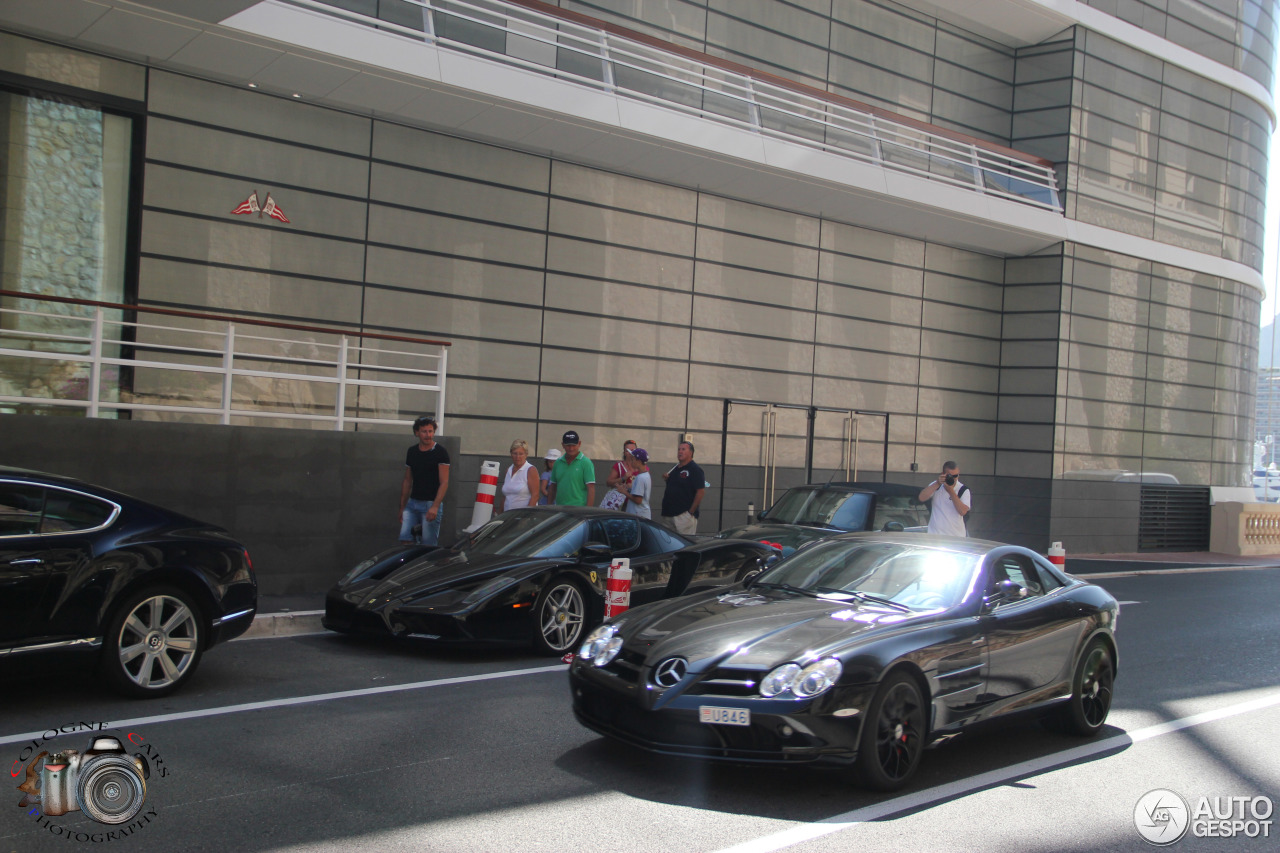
(308,505)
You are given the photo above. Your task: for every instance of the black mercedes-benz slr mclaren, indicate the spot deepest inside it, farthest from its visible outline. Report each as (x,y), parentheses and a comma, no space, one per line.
(859,650)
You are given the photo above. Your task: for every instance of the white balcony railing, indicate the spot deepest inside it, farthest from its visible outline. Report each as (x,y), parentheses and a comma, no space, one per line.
(59,354)
(567,47)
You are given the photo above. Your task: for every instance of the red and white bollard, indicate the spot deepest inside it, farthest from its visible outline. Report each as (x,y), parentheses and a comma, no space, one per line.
(617,596)
(1058,555)
(485,491)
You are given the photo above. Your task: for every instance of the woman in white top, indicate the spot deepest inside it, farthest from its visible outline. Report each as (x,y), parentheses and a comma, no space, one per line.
(521,486)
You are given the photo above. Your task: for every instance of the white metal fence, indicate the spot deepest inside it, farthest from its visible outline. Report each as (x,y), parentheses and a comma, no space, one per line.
(60,354)
(562,46)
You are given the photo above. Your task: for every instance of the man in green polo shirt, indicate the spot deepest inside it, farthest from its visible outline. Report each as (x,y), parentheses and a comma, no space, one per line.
(573,477)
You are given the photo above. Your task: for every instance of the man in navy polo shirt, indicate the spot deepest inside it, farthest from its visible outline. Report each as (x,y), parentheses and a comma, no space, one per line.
(686,484)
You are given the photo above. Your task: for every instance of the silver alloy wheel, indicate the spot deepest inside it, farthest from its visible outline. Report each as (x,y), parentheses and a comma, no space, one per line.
(158,642)
(561,617)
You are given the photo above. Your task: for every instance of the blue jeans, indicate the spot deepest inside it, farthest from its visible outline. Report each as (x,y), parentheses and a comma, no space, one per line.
(415,513)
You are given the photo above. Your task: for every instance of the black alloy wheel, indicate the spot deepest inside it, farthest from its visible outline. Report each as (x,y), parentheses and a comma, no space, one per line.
(1091,690)
(893,734)
(559,617)
(153,642)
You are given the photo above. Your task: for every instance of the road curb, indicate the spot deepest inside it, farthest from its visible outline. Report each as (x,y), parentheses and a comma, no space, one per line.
(284,624)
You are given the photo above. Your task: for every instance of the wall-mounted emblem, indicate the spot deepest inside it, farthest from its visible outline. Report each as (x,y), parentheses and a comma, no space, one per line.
(251,205)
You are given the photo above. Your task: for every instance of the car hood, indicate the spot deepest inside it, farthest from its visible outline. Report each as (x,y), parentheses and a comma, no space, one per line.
(757,627)
(789,536)
(444,570)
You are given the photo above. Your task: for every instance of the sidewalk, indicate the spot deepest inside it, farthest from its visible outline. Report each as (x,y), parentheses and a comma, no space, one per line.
(290,615)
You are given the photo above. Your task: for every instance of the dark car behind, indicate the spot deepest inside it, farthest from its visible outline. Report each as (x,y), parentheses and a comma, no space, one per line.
(807,513)
(142,590)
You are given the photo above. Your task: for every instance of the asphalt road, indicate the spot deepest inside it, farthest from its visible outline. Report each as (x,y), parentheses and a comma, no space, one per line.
(322,743)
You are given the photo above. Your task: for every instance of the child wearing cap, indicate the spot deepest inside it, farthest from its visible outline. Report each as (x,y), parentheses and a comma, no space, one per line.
(640,489)
(547,461)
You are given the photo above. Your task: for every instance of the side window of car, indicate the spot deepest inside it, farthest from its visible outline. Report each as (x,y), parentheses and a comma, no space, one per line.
(1022,572)
(68,511)
(20,508)
(623,534)
(1048,580)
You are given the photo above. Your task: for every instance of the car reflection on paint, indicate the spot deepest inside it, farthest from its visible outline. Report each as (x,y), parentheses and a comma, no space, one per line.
(859,651)
(535,575)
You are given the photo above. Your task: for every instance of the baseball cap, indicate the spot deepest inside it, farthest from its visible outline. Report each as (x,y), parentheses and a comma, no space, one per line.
(553,454)
(570,437)
(641,455)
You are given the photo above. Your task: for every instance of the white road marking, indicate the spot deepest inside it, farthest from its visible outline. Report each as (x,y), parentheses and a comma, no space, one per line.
(1088,576)
(960,787)
(300,700)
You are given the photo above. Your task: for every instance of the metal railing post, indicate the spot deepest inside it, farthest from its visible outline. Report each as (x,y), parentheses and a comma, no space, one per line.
(440,378)
(95,362)
(606,64)
(342,384)
(228,368)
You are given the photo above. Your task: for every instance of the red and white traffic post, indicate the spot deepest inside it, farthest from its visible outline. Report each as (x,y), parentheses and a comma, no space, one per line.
(485,491)
(617,596)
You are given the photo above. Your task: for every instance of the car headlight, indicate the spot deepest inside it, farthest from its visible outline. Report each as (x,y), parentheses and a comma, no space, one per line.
(816,678)
(779,681)
(601,646)
(805,682)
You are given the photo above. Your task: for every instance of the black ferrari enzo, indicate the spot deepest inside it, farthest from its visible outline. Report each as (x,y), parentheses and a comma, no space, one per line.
(142,590)
(534,575)
(859,651)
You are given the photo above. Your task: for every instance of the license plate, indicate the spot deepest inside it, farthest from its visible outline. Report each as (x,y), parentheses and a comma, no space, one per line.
(724,716)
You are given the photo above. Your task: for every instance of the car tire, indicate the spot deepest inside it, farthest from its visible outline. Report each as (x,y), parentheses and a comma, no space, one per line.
(893,734)
(559,617)
(153,642)
(1085,713)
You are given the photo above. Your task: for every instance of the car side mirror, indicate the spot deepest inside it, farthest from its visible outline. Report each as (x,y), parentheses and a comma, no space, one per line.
(596,552)
(1005,592)
(893,527)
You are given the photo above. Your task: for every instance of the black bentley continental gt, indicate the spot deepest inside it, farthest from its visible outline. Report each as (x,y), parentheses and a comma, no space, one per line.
(535,575)
(86,571)
(857,651)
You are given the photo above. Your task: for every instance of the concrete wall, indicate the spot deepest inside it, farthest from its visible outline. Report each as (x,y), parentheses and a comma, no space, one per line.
(307,504)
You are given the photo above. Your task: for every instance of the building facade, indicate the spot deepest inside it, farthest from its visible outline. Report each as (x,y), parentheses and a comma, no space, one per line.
(751,223)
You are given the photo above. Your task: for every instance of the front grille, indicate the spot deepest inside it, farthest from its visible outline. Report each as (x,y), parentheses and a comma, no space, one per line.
(728,681)
(627,666)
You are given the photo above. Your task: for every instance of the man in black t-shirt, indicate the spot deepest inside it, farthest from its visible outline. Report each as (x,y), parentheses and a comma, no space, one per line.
(686,485)
(426,479)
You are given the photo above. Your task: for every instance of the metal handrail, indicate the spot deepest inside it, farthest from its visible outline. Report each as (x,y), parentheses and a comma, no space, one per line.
(222,351)
(640,68)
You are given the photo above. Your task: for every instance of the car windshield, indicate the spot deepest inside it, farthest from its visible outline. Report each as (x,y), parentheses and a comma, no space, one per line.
(912,575)
(823,507)
(529,533)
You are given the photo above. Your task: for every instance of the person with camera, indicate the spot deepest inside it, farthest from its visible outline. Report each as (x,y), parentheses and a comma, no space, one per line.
(426,479)
(949,502)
